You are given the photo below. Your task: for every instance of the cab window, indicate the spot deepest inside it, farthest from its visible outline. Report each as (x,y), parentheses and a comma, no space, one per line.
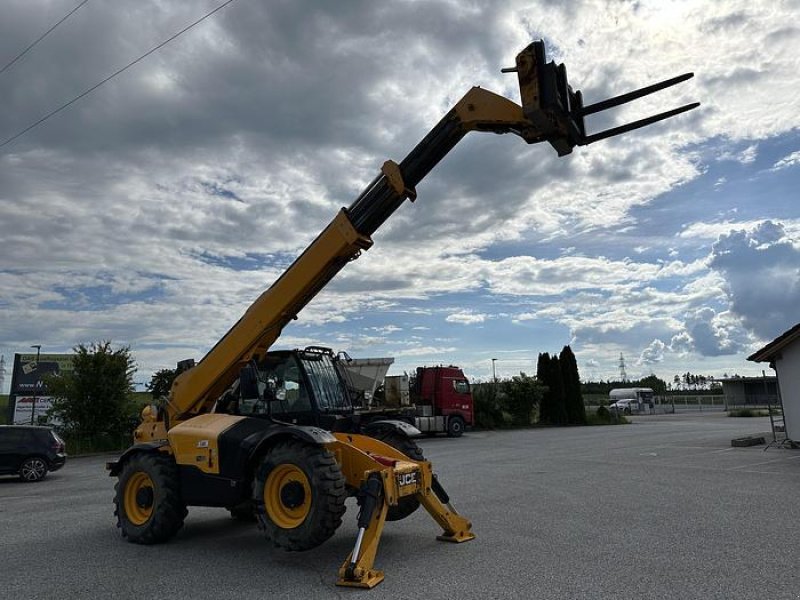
(328,389)
(281,388)
(461,386)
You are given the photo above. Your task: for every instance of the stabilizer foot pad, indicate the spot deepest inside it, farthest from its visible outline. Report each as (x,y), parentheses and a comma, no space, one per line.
(457,538)
(368,581)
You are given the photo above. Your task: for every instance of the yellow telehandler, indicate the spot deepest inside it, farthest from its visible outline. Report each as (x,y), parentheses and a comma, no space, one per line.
(225,437)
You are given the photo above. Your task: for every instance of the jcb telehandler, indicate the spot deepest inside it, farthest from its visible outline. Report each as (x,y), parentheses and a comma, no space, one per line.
(192,451)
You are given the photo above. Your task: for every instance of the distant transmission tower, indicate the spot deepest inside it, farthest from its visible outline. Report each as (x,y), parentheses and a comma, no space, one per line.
(623,376)
(2,372)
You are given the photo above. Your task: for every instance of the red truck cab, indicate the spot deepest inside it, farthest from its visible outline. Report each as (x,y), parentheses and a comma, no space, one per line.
(444,400)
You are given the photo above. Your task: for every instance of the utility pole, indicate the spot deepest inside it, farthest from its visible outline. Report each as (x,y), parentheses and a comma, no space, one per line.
(494,370)
(35,381)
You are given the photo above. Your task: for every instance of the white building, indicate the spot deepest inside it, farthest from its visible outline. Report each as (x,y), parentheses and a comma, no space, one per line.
(783,355)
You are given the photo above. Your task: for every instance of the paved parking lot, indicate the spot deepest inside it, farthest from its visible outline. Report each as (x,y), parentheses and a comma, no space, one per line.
(662,508)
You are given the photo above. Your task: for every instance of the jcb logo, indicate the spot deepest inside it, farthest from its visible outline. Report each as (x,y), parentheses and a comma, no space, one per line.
(407,479)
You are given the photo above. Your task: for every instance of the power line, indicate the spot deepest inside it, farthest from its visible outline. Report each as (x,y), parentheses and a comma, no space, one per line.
(41,37)
(114,74)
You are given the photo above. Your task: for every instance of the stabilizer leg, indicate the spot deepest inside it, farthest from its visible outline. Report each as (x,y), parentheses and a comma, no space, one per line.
(456,528)
(357,570)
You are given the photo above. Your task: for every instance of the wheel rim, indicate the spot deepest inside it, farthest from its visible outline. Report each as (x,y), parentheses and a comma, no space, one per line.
(33,469)
(139,498)
(287,496)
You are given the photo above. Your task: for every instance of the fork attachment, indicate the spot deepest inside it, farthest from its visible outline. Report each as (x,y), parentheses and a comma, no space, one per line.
(557,111)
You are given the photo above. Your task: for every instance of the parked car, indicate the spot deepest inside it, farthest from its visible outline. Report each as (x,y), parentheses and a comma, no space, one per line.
(30,451)
(624,406)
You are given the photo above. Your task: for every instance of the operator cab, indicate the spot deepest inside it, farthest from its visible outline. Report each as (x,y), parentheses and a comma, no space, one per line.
(302,387)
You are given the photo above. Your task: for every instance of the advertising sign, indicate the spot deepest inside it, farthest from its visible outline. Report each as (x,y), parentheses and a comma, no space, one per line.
(23,407)
(28,387)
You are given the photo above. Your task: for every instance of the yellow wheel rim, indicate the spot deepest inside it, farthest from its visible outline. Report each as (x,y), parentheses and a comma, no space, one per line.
(139,498)
(287,496)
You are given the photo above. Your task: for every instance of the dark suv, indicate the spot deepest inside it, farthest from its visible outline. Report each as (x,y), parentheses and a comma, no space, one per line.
(30,452)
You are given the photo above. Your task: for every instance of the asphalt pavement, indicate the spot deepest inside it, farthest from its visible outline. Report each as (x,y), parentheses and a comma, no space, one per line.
(661,508)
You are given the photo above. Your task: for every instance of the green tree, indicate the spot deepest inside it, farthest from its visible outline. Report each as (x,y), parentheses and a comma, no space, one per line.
(95,397)
(553,409)
(488,409)
(556,385)
(521,394)
(659,386)
(546,408)
(573,399)
(161,383)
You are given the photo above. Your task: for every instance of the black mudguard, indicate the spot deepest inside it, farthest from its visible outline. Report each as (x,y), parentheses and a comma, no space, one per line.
(377,427)
(241,445)
(115,466)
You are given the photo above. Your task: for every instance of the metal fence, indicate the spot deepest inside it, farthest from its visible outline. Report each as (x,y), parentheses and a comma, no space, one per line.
(698,403)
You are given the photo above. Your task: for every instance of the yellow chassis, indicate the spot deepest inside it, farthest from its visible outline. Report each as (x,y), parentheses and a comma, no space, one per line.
(362,457)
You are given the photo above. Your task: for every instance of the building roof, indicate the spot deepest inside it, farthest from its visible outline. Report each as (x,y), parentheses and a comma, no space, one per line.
(747,379)
(772,350)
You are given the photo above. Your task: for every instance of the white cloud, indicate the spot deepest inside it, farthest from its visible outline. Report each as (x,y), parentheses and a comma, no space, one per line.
(387,329)
(712,231)
(745,157)
(429,351)
(787,161)
(652,354)
(466,317)
(762,277)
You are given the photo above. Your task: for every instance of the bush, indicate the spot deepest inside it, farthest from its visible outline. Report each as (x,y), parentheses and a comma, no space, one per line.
(488,411)
(604,416)
(748,412)
(102,442)
(508,403)
(521,395)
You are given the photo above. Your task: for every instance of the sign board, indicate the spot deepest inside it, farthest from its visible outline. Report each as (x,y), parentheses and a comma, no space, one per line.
(24,406)
(28,386)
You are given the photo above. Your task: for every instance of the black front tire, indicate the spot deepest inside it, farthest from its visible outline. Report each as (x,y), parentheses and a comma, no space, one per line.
(455,427)
(33,469)
(147,499)
(299,495)
(408,504)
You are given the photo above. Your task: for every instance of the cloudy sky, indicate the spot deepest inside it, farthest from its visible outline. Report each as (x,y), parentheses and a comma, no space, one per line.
(154,210)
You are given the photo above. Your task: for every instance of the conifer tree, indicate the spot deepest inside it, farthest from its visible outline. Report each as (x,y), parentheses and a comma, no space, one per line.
(576,411)
(556,385)
(542,375)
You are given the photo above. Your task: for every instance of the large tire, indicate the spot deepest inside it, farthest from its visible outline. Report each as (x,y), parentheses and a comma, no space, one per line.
(455,427)
(408,504)
(33,469)
(299,495)
(147,499)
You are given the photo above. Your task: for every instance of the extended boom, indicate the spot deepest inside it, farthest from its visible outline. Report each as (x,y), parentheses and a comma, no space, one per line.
(551,111)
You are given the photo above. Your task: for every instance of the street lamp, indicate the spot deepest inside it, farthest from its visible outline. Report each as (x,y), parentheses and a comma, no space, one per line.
(35,381)
(517,360)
